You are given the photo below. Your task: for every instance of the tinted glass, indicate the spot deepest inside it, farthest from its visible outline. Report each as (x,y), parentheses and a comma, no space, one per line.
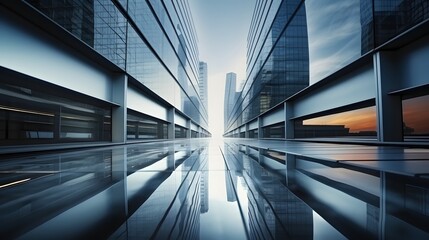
(355,123)
(416,118)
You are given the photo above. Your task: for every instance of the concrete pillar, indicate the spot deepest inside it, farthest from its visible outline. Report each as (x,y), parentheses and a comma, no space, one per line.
(171,128)
(289,124)
(259,127)
(119,113)
(246,133)
(388,107)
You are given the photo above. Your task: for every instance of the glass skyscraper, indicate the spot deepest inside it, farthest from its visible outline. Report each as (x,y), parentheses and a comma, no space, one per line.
(335,69)
(98,71)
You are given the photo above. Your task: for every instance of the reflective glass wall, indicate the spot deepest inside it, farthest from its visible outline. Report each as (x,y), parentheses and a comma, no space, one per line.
(292,44)
(415,117)
(141,126)
(354,123)
(153,41)
(34,115)
(278,68)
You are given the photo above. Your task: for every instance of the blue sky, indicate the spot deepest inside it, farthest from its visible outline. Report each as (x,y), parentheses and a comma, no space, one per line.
(222,27)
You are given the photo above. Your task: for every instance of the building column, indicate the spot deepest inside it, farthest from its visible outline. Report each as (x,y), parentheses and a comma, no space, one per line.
(119,113)
(246,133)
(289,124)
(170,119)
(259,127)
(388,107)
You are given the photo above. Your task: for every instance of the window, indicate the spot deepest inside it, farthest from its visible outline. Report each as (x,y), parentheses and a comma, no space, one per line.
(253,133)
(33,116)
(274,131)
(141,126)
(180,132)
(354,123)
(415,116)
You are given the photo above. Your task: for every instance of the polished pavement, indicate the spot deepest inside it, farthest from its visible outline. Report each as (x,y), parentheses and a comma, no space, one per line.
(208,189)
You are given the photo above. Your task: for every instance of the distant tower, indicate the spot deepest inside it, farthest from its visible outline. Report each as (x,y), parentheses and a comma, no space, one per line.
(202,82)
(230,96)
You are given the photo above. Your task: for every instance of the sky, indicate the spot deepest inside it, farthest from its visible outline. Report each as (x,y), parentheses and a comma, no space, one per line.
(222,27)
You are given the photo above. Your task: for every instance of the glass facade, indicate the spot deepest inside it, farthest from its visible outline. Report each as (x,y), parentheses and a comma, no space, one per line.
(140,126)
(153,41)
(393,17)
(292,44)
(98,23)
(280,66)
(35,115)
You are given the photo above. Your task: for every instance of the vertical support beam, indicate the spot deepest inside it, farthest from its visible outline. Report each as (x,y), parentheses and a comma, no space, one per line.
(246,133)
(389,107)
(259,128)
(119,114)
(170,118)
(289,124)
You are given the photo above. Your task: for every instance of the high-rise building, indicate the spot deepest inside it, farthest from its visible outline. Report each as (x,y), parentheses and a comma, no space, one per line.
(203,84)
(230,95)
(98,71)
(335,69)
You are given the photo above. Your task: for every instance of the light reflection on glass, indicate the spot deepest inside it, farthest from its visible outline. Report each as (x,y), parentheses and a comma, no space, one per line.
(334,35)
(193,190)
(416,117)
(360,122)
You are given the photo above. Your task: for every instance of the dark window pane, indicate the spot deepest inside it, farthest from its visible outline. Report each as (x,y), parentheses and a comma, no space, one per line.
(274,131)
(416,118)
(180,132)
(32,116)
(141,126)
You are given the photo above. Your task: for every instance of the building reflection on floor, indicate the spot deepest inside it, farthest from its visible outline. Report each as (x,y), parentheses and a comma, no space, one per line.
(201,189)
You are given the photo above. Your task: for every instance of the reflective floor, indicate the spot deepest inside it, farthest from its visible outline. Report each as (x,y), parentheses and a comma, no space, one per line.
(207,189)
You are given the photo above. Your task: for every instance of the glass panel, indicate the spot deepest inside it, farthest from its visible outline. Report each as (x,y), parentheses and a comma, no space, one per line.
(281,70)
(274,131)
(253,133)
(339,32)
(394,16)
(29,116)
(141,126)
(180,132)
(355,123)
(98,23)
(416,118)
